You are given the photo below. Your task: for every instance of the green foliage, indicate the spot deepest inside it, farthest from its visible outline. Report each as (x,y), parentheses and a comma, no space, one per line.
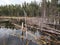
(58,7)
(32,9)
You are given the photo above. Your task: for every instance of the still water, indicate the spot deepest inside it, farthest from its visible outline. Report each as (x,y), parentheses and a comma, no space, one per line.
(7,38)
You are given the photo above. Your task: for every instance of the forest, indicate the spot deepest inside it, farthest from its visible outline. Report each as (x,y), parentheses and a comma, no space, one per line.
(32,9)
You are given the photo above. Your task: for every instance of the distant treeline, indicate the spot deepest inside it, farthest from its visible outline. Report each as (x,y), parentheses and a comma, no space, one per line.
(31,9)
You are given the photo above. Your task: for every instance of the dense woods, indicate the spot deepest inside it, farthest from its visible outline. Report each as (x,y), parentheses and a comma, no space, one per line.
(32,9)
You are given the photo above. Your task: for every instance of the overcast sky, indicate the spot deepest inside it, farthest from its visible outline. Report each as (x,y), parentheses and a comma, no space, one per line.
(4,2)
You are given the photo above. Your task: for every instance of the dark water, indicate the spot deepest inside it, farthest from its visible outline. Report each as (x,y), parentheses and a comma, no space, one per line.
(7,39)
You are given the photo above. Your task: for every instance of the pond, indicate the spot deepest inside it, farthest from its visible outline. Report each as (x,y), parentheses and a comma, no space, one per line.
(7,38)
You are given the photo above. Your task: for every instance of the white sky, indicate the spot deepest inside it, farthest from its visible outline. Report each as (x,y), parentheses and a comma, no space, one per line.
(4,2)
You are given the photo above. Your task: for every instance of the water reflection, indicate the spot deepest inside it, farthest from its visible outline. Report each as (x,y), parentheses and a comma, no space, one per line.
(5,36)
(5,32)
(37,33)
